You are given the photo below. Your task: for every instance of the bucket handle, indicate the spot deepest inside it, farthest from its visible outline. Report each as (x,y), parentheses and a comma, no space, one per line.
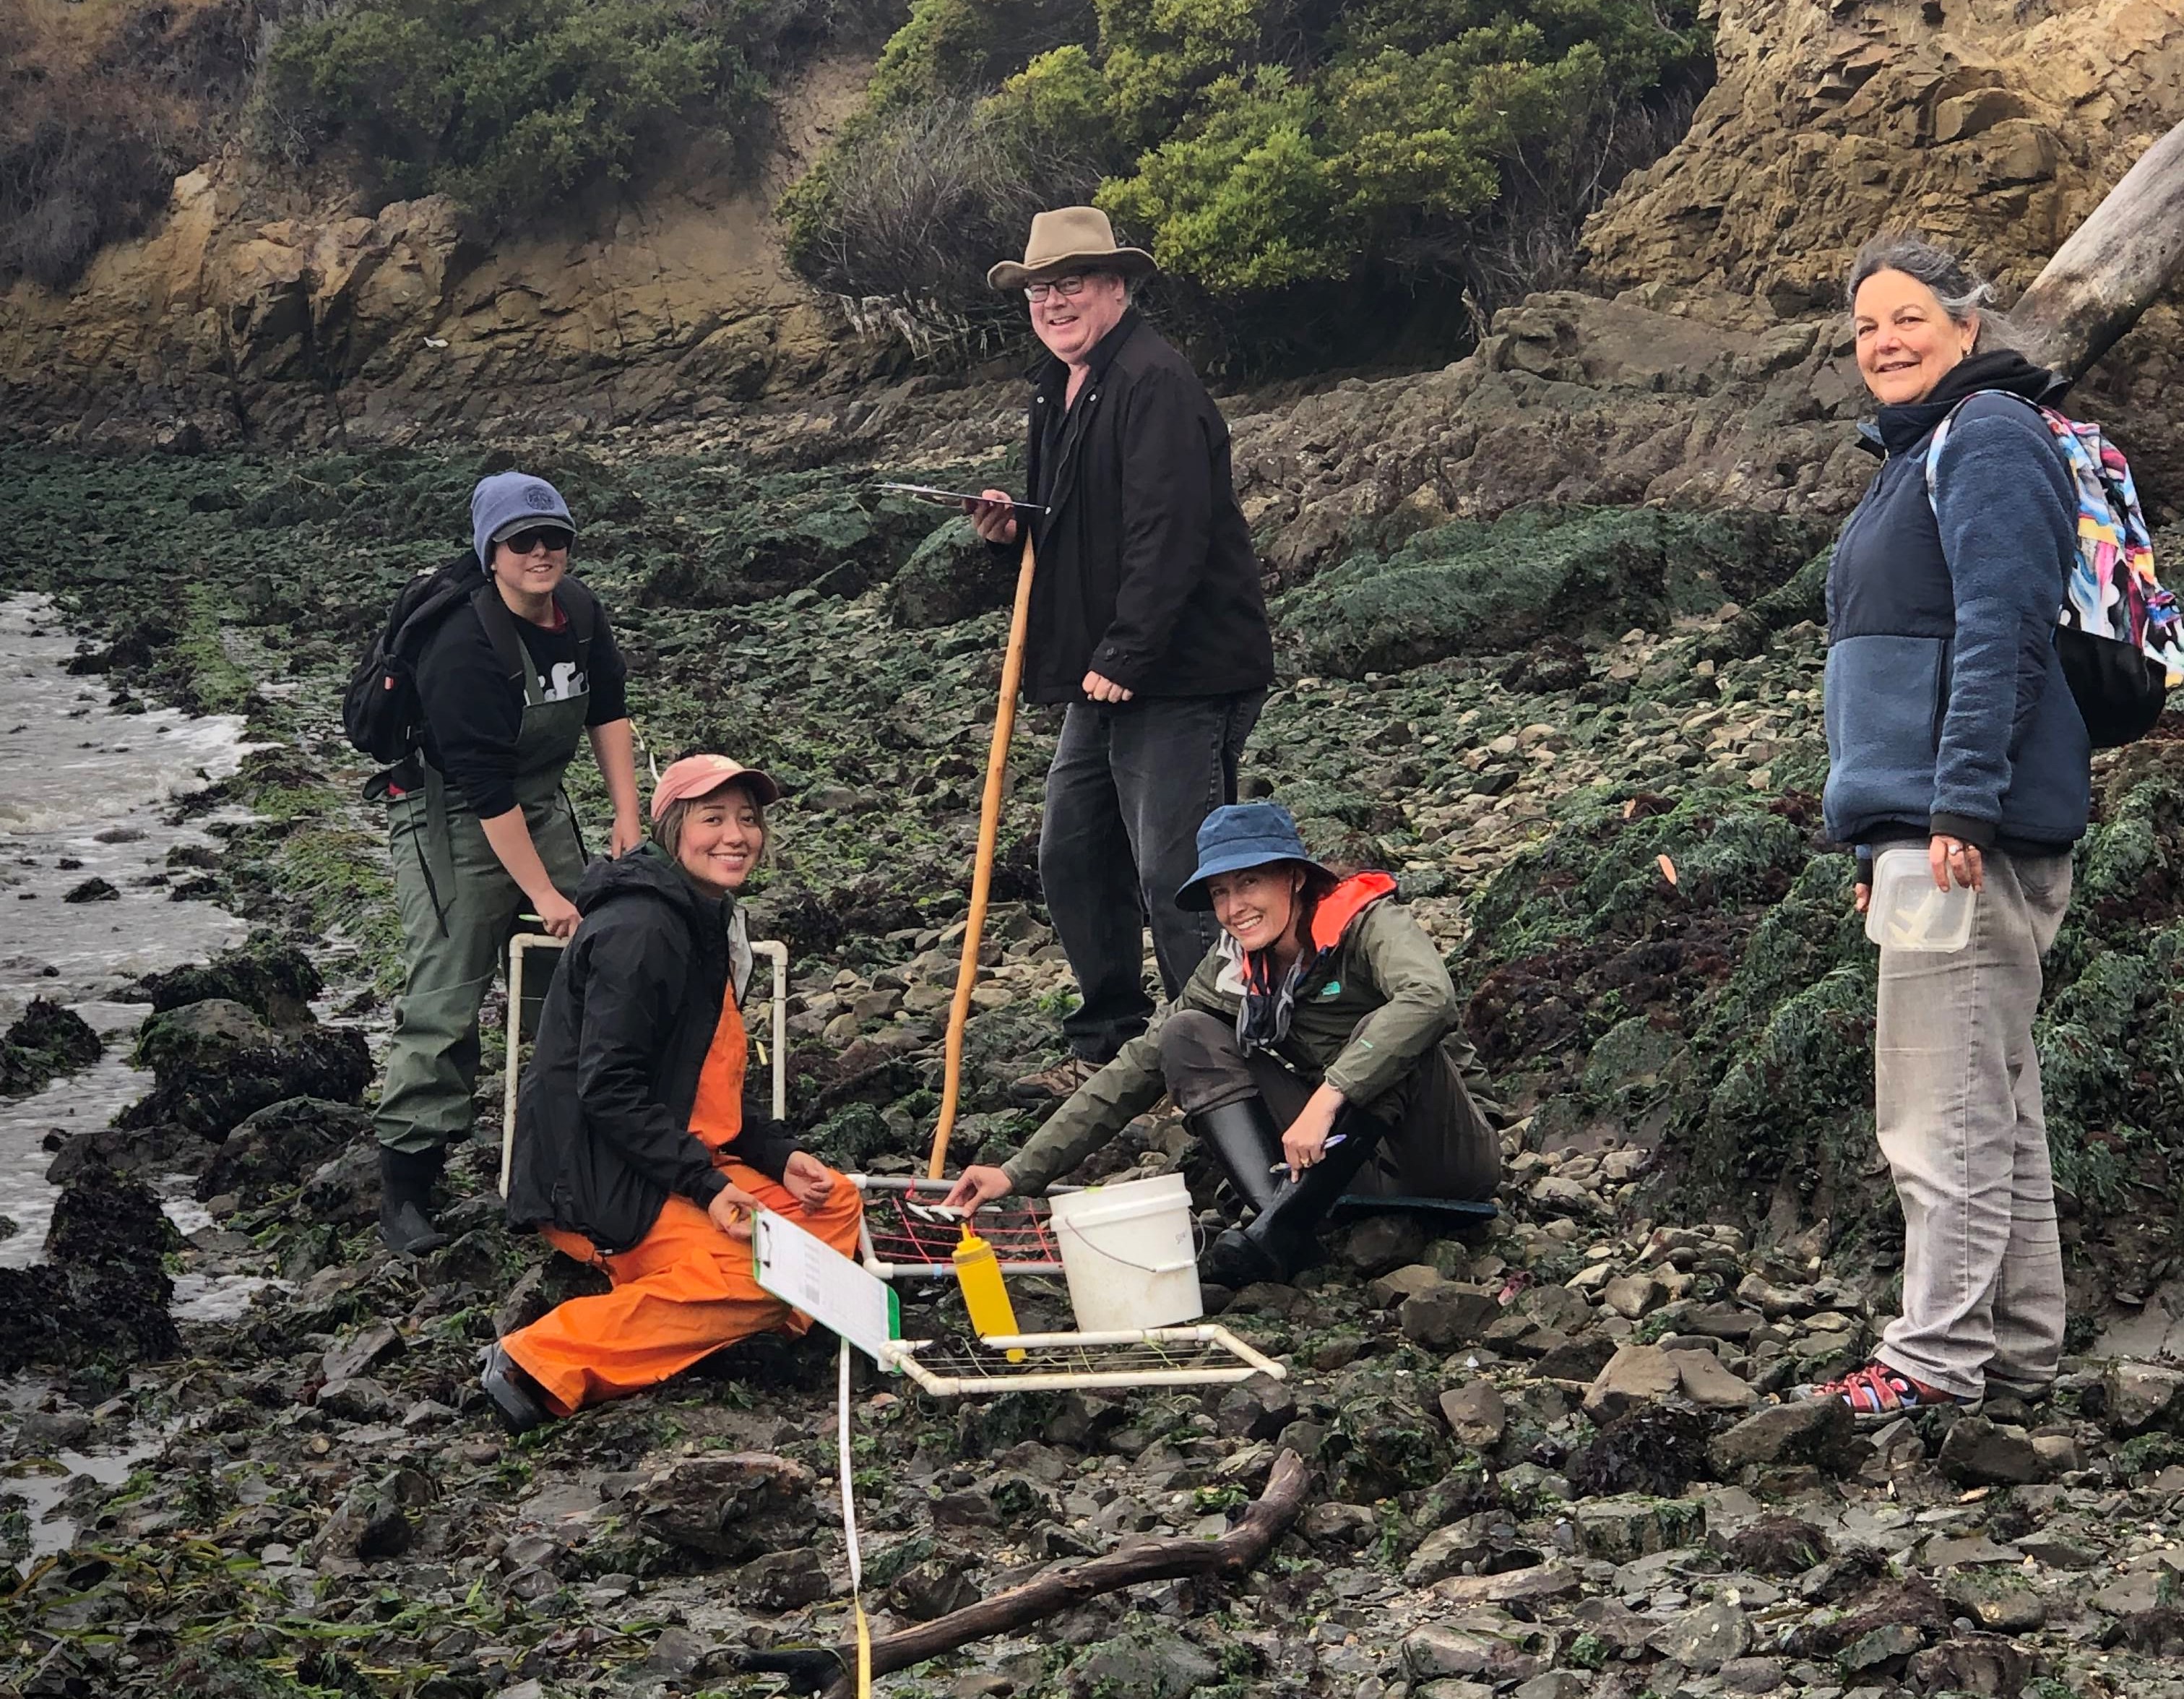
(1197,1246)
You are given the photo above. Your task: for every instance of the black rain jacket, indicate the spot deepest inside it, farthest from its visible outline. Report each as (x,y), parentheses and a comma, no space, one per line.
(602,1119)
(1146,572)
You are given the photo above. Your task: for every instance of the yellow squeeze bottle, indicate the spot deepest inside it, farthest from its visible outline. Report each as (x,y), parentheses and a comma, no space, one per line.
(978,1272)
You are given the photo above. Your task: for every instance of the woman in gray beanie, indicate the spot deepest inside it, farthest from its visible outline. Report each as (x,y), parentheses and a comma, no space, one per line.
(478,825)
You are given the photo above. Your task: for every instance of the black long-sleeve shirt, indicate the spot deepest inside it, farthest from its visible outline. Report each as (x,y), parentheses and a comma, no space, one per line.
(473,709)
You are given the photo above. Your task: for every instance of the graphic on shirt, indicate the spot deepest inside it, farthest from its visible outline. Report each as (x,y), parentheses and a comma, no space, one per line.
(564,682)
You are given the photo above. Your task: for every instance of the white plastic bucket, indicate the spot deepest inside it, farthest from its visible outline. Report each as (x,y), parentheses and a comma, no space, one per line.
(1128,1253)
(1907,911)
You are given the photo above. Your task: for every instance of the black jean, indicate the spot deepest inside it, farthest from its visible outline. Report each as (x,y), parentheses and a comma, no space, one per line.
(1439,1143)
(1125,795)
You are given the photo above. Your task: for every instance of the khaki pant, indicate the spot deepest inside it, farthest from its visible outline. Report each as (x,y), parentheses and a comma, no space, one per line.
(1956,1102)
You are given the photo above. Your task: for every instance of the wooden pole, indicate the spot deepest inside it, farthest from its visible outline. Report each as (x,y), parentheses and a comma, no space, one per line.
(2112,268)
(982,871)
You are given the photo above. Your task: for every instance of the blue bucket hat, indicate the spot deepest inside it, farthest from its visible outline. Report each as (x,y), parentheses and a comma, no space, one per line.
(1240,835)
(512,502)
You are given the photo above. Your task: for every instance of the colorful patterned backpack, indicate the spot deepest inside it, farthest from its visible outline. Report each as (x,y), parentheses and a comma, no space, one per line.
(2121,637)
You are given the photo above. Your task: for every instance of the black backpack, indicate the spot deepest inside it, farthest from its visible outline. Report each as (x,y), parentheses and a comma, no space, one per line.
(382,712)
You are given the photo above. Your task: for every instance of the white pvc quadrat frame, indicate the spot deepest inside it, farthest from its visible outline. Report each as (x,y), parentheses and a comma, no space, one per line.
(1005,1376)
(772,950)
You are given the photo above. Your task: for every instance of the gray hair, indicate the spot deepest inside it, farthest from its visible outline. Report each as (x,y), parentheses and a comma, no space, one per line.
(1961,292)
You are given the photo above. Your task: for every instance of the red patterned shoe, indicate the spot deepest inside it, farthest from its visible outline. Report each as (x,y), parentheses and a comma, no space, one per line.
(1877,1391)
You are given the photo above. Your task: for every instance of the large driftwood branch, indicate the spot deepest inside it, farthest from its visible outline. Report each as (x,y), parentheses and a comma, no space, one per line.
(2112,268)
(1235,1553)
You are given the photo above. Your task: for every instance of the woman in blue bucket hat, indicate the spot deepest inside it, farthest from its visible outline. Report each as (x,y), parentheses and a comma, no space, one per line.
(1316,1052)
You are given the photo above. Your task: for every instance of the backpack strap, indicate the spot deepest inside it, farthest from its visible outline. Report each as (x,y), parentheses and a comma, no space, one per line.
(500,631)
(583,608)
(1940,434)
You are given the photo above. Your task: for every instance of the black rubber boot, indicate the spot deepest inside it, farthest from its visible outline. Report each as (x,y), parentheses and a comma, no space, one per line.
(519,1401)
(1247,1144)
(1282,1238)
(405,1199)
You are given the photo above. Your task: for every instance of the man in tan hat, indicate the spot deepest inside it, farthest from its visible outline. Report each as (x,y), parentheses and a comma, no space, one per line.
(1146,619)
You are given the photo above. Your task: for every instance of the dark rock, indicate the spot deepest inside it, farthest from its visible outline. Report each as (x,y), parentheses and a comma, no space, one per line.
(736,1507)
(1976,1452)
(1893,1617)
(2139,1397)
(43,1432)
(215,1063)
(369,1346)
(91,891)
(950,576)
(370,1523)
(1635,1377)
(273,1148)
(1379,1244)
(782,1580)
(45,1042)
(103,1292)
(1083,1419)
(358,1399)
(1777,1546)
(1657,1450)
(1475,1415)
(345,1190)
(1985,1666)
(1617,1529)
(1704,1638)
(273,979)
(1454,1313)
(1579,1359)
(1820,1432)
(1145,1664)
(1258,1409)
(933,1589)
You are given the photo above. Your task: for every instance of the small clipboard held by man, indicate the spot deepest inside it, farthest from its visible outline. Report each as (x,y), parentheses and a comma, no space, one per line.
(949,497)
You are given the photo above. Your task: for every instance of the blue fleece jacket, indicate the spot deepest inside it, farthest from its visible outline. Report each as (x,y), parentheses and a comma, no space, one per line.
(1947,711)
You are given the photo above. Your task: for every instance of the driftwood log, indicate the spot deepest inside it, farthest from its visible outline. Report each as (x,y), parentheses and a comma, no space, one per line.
(1053,1590)
(2112,268)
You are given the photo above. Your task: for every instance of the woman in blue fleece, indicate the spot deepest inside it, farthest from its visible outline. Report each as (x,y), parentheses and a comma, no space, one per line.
(1951,730)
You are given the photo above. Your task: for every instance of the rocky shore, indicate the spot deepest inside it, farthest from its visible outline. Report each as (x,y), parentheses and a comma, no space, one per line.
(1551,1460)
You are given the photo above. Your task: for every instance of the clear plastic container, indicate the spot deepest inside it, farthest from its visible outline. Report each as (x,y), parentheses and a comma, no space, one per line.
(1908,913)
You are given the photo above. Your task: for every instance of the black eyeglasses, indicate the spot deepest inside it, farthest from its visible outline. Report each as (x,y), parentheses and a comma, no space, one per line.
(1067,288)
(551,538)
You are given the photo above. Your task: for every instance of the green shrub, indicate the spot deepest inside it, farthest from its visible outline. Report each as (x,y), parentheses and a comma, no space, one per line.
(1257,148)
(512,106)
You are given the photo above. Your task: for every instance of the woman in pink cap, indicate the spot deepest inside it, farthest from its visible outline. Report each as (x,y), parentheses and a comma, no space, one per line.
(635,1150)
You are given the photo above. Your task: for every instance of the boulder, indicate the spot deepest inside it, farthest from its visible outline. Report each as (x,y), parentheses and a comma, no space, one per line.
(2141,1396)
(1637,1525)
(1635,1375)
(1977,1452)
(1145,1664)
(45,1041)
(1819,1432)
(273,1148)
(738,1507)
(1475,1415)
(1704,1638)
(1451,1314)
(215,1062)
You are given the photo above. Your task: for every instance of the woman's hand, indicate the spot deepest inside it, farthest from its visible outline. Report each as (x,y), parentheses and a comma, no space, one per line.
(807,1180)
(993,516)
(1952,858)
(978,1186)
(559,914)
(732,1210)
(1305,1145)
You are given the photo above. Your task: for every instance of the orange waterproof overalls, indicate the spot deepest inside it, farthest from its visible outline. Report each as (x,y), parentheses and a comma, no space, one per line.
(686,1288)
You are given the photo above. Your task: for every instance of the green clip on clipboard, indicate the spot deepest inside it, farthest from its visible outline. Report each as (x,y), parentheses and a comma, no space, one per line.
(803,1269)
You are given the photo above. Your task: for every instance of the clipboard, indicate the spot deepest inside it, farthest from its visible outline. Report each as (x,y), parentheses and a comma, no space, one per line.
(947,498)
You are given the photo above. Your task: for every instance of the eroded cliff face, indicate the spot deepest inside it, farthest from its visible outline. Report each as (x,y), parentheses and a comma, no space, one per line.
(1994,125)
(253,308)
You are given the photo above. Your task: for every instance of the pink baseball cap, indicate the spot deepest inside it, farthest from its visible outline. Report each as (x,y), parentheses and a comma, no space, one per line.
(695,775)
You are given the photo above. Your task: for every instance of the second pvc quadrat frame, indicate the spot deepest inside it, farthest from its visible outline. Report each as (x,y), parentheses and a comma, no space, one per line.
(1201,1355)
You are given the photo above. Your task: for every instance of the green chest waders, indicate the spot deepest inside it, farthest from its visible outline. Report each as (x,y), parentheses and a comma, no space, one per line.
(458,909)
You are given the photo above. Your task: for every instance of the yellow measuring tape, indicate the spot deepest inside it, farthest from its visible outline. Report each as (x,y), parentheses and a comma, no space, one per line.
(850,1534)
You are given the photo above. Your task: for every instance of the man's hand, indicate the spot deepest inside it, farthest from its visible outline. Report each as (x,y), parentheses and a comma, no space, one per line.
(993,516)
(1949,858)
(1861,896)
(558,912)
(1306,1141)
(1104,690)
(979,1186)
(807,1180)
(629,833)
(731,1211)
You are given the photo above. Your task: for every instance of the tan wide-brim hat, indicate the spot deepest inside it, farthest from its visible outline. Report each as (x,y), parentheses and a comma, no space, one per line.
(1070,238)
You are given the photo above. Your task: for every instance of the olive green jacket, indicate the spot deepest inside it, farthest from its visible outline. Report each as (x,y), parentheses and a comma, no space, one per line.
(1363,1017)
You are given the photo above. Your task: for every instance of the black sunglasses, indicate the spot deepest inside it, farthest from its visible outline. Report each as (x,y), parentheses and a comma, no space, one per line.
(551,538)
